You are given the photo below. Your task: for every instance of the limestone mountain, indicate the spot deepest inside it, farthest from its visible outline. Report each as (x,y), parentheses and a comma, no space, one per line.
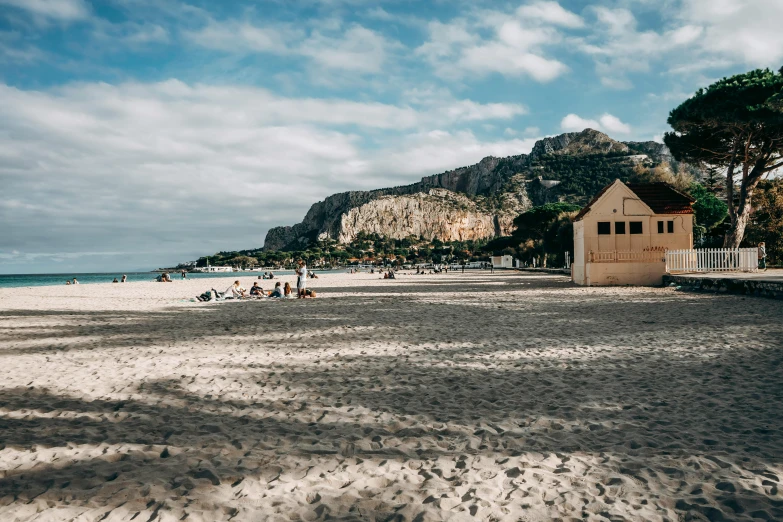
(474,202)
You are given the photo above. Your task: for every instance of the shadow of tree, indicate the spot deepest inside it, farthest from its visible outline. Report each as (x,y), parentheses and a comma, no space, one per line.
(676,414)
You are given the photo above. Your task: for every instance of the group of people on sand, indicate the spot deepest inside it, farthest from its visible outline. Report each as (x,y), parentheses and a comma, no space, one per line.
(68,282)
(164,278)
(237,291)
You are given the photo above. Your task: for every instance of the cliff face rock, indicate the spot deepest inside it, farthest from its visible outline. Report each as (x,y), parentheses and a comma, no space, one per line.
(278,237)
(479,179)
(658,152)
(488,181)
(478,201)
(439,213)
(588,141)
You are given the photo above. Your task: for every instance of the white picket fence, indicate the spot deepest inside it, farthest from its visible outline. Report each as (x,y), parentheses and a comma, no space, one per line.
(712,260)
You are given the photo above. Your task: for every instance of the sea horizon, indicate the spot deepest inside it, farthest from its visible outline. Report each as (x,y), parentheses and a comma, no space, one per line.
(55,279)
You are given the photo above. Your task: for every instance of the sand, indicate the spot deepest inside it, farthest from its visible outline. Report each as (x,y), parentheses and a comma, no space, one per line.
(480,396)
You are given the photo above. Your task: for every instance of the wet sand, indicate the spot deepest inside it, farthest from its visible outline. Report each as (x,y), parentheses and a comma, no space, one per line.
(480,396)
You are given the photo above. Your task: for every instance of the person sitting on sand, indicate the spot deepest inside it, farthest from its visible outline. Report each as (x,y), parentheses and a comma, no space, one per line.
(286,289)
(257,290)
(67,281)
(278,291)
(236,290)
(75,282)
(115,280)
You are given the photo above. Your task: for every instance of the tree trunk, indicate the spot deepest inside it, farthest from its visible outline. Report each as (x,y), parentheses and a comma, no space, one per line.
(738,223)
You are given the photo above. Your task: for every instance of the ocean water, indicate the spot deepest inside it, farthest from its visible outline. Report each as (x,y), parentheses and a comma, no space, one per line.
(22,280)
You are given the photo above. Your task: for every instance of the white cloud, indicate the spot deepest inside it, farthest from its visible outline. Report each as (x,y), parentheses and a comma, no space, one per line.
(148,33)
(550,12)
(515,46)
(573,122)
(358,49)
(65,10)
(467,110)
(747,31)
(439,150)
(236,36)
(171,168)
(606,123)
(695,35)
(612,124)
(508,61)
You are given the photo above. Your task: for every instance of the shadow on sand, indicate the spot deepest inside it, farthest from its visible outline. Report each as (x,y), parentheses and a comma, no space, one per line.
(681,410)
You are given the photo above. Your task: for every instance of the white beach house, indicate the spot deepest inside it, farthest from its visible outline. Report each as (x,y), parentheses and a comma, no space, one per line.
(622,235)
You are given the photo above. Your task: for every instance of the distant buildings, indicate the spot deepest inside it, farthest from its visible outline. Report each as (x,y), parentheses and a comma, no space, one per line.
(211,269)
(503,261)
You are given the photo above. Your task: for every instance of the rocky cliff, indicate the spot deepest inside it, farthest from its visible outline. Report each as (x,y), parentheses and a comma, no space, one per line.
(477,201)
(438,213)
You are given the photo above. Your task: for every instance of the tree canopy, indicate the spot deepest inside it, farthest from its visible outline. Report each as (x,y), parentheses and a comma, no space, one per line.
(735,124)
(534,223)
(709,211)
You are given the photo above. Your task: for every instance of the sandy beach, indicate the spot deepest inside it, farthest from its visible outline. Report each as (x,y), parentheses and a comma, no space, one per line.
(472,396)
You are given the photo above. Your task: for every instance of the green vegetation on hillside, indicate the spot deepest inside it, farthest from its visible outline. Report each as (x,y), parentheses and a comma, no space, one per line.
(367,248)
(545,233)
(582,176)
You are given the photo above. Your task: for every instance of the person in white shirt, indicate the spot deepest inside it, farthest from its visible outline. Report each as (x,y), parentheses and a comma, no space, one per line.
(302,280)
(236,290)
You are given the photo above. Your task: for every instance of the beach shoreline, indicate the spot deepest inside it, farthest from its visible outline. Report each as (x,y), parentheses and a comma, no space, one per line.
(476,396)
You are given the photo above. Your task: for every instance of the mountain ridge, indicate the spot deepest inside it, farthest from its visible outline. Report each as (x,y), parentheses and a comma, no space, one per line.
(498,189)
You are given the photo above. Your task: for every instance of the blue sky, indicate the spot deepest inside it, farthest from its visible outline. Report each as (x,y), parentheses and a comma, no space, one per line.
(140,133)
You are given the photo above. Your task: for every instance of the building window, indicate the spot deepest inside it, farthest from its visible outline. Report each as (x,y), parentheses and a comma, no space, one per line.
(619,227)
(670,227)
(660,227)
(604,228)
(636,227)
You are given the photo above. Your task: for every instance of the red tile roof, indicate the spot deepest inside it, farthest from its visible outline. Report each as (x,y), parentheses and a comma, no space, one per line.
(661,197)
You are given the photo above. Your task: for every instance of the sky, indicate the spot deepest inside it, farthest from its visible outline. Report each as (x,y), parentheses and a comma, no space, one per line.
(141,133)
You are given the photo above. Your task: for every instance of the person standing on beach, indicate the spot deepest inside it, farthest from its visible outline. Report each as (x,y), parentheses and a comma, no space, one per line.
(124,278)
(762,256)
(302,280)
